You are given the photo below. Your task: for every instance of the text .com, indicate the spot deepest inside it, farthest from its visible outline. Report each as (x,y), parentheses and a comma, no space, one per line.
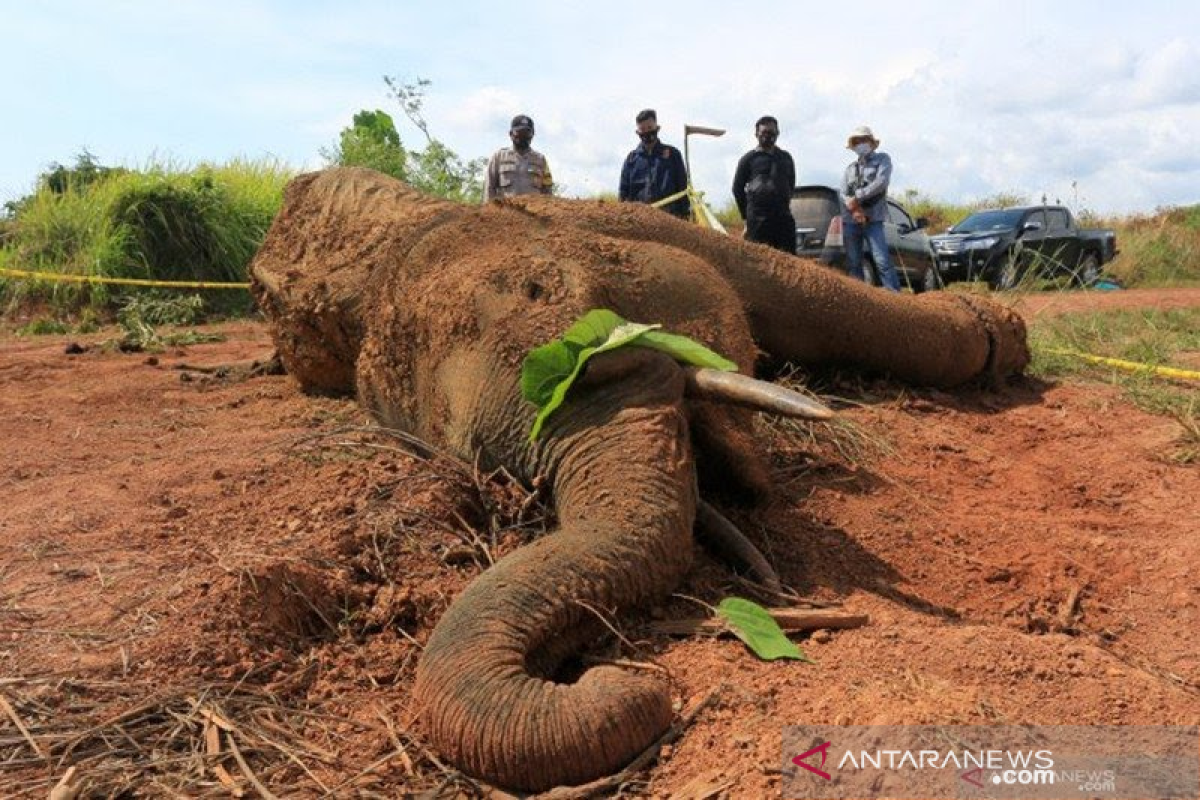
(1024,777)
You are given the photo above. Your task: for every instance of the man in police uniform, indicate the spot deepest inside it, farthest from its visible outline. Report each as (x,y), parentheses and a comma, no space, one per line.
(654,170)
(518,169)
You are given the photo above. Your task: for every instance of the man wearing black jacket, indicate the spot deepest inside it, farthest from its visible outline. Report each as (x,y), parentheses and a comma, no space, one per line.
(762,187)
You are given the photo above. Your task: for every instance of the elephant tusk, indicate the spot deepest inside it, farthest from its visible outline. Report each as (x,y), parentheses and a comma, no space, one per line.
(741,390)
(725,541)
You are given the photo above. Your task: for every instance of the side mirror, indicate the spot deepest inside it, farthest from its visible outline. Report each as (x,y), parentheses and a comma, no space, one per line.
(922,222)
(1031,226)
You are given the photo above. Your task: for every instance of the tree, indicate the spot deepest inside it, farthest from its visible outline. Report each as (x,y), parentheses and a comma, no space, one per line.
(437,169)
(371,141)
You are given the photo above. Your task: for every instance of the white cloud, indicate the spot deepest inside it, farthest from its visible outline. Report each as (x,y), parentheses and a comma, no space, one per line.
(994,96)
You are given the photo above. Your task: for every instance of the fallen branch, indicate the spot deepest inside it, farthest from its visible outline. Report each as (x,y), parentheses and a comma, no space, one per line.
(12,714)
(789,619)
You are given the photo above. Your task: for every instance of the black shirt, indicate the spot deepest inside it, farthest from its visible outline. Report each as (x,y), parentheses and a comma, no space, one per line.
(764,182)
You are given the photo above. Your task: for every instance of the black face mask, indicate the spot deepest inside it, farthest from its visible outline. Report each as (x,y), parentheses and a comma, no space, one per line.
(648,137)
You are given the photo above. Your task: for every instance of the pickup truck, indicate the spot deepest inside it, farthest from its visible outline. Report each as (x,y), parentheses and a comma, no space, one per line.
(1003,246)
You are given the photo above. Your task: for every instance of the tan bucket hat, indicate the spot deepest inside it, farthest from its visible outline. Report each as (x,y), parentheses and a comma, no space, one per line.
(861,132)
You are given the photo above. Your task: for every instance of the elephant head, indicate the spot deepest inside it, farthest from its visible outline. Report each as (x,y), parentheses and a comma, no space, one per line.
(426,309)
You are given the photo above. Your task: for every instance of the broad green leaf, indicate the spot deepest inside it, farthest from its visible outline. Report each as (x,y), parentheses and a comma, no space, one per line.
(544,368)
(686,350)
(549,371)
(616,336)
(593,328)
(751,623)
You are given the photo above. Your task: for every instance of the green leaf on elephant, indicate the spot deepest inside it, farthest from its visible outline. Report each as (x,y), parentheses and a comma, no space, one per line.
(549,371)
(593,328)
(754,625)
(545,367)
(685,350)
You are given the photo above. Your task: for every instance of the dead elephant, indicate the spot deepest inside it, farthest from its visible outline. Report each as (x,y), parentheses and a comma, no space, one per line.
(426,309)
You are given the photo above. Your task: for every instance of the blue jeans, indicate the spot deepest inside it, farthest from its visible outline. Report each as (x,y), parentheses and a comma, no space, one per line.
(853,235)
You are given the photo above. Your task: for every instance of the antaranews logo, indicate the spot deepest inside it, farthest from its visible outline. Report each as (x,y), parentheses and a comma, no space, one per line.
(823,749)
(1014,762)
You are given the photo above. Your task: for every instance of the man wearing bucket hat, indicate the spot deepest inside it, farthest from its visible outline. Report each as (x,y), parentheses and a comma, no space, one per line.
(864,197)
(518,169)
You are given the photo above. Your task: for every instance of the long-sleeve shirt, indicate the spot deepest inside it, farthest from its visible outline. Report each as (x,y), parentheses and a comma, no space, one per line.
(764,182)
(866,180)
(650,176)
(511,172)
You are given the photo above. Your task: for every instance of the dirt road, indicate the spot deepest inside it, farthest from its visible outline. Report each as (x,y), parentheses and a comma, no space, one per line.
(178,547)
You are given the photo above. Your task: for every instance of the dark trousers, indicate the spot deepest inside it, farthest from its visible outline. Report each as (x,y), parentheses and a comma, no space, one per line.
(776,230)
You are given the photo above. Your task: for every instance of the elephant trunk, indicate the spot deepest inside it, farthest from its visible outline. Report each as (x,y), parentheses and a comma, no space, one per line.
(620,460)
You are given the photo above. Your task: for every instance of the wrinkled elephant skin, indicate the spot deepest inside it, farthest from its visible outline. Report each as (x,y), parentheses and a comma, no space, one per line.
(426,309)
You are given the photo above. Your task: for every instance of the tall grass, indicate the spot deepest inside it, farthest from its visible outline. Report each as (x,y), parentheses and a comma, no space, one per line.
(1160,249)
(161,222)
(1151,337)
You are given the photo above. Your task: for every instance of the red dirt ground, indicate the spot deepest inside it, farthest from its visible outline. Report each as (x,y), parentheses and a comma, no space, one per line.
(174,552)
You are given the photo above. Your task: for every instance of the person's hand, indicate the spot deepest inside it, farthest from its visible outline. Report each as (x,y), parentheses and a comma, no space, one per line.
(856,211)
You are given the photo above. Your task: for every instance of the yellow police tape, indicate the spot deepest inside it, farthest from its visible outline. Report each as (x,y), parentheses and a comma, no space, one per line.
(668,200)
(1132,366)
(59,276)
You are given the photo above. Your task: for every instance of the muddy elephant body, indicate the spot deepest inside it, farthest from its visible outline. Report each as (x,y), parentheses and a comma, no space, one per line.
(426,310)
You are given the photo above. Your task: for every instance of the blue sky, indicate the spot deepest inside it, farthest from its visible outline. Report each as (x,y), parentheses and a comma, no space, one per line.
(970,99)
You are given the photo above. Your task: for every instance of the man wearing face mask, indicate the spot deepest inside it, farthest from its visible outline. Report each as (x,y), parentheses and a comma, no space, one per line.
(864,195)
(654,171)
(762,187)
(518,169)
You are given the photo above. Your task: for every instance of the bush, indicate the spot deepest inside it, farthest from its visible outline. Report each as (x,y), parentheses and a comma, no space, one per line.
(162,223)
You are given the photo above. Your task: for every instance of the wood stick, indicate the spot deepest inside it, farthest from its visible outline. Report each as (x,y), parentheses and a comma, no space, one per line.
(789,619)
(1066,614)
(12,714)
(250,776)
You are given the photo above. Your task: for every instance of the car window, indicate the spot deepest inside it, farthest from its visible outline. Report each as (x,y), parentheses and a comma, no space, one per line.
(1036,216)
(1057,219)
(898,216)
(982,221)
(815,208)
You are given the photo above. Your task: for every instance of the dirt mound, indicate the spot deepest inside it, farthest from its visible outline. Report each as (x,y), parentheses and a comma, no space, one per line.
(171,551)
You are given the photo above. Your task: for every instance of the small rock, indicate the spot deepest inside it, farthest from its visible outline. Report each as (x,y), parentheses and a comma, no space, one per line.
(74,349)
(219,475)
(294,525)
(152,361)
(177,512)
(822,636)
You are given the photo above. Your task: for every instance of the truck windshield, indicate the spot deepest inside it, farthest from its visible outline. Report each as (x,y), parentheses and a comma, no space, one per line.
(988,221)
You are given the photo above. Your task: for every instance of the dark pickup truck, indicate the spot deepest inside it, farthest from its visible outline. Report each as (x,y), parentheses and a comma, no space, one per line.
(1003,246)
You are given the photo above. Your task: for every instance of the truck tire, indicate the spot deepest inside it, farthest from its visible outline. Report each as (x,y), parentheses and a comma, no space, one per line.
(932,281)
(1088,271)
(1007,275)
